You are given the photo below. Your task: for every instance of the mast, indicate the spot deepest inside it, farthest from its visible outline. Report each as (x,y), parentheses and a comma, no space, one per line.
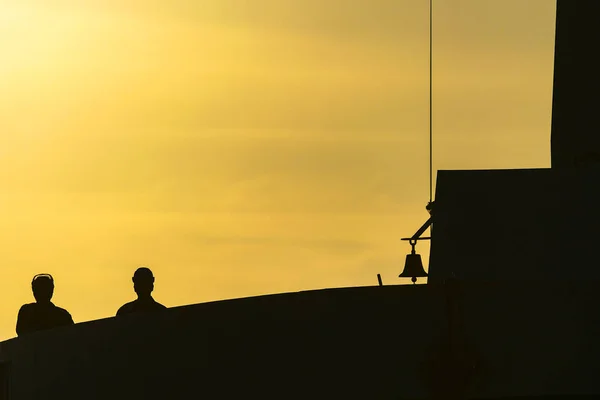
(575,135)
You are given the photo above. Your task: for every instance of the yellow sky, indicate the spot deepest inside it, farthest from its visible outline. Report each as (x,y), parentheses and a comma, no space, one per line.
(242,149)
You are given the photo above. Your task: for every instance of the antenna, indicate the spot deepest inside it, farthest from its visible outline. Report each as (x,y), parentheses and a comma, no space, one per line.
(430,101)
(413,267)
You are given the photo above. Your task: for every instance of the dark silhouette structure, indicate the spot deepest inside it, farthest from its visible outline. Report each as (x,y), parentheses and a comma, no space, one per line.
(479,340)
(42,314)
(143,284)
(576,84)
(510,310)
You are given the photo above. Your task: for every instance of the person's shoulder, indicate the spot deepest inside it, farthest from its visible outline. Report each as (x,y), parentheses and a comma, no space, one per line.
(27,307)
(126,308)
(63,314)
(161,306)
(62,311)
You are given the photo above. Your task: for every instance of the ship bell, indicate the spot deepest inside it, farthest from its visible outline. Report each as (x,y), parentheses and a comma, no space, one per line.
(413,268)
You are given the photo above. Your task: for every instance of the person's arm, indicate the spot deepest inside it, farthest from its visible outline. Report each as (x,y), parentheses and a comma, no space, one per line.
(121,310)
(69,319)
(22,321)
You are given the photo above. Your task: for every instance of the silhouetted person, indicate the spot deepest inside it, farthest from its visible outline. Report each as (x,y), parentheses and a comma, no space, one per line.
(143,284)
(42,314)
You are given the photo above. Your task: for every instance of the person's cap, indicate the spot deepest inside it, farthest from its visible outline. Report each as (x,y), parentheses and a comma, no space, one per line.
(143,273)
(42,278)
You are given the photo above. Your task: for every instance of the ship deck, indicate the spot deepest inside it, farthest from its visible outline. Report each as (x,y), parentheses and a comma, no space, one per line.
(529,338)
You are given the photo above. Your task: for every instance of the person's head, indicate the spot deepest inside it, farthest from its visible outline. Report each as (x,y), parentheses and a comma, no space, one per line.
(143,281)
(43,287)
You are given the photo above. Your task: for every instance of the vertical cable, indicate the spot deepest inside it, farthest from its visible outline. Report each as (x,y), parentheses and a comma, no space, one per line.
(430,100)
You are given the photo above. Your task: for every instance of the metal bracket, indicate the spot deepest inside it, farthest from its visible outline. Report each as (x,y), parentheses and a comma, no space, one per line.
(417,236)
(422,229)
